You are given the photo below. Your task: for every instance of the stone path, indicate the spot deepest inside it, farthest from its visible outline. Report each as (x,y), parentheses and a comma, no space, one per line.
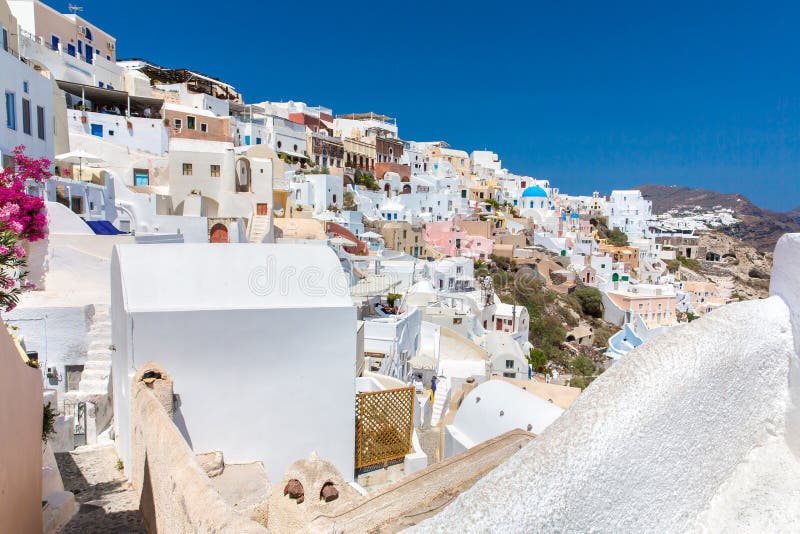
(108,503)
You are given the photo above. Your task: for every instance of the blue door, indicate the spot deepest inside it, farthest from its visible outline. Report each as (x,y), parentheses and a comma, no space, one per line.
(89,54)
(54,42)
(71,49)
(247,140)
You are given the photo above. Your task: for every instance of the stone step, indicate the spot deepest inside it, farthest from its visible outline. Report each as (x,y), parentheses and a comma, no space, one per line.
(102,344)
(94,386)
(95,374)
(99,354)
(58,509)
(97,365)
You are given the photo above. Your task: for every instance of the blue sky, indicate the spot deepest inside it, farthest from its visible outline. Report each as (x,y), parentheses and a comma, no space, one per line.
(592,95)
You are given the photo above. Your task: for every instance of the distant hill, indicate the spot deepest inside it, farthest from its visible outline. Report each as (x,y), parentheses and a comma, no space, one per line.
(758,227)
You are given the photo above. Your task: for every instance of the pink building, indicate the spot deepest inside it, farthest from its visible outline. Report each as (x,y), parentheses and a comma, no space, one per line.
(448,238)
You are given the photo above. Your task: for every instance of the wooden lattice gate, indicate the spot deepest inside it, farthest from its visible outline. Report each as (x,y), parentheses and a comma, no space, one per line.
(384,423)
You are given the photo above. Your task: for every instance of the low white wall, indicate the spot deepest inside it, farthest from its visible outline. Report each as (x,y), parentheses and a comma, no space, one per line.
(652,439)
(20,441)
(175,493)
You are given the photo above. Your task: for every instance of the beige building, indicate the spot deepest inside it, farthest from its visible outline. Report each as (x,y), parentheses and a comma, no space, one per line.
(65,33)
(360,152)
(459,159)
(403,236)
(198,124)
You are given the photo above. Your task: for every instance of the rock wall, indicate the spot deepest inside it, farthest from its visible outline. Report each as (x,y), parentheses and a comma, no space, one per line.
(675,437)
(175,493)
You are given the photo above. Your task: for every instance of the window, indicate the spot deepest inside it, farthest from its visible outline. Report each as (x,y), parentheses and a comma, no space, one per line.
(73,375)
(280,144)
(5,39)
(457,320)
(178,124)
(190,122)
(141,177)
(11,111)
(258,141)
(40,122)
(295,148)
(510,375)
(26,87)
(509,364)
(87,33)
(187,169)
(71,49)
(26,116)
(80,47)
(97,129)
(203,127)
(215,171)
(54,40)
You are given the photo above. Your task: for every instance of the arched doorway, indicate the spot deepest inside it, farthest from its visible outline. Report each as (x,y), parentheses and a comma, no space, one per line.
(388,189)
(219,233)
(615,277)
(406,189)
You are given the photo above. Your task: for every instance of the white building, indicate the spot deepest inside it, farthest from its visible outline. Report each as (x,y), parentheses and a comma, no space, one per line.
(494,408)
(26,116)
(318,191)
(263,358)
(630,212)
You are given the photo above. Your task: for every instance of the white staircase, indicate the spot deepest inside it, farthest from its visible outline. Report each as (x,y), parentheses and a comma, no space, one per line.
(259,227)
(440,400)
(96,376)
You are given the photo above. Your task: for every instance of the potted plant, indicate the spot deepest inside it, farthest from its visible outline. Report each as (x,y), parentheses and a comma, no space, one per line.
(166,121)
(130,125)
(84,119)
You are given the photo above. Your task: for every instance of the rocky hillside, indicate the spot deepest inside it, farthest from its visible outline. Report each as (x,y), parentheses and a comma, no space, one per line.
(758,227)
(742,269)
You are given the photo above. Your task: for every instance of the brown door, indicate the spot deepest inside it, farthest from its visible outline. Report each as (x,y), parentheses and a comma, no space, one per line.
(219,234)
(499,324)
(261,209)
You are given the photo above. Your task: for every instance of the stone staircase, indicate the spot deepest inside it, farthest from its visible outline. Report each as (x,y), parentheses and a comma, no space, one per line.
(96,376)
(259,227)
(95,385)
(440,400)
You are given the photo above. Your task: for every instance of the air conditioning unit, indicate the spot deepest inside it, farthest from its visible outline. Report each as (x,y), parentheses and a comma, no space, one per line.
(82,30)
(111,46)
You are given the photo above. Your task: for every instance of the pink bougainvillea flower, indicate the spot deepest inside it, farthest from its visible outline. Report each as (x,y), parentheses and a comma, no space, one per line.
(19,251)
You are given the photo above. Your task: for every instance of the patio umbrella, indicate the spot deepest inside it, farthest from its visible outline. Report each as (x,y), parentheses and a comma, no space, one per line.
(79,157)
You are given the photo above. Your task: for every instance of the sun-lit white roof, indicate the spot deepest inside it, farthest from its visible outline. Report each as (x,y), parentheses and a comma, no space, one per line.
(495,407)
(206,276)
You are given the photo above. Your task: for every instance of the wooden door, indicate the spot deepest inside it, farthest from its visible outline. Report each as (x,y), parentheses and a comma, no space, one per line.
(219,234)
(261,209)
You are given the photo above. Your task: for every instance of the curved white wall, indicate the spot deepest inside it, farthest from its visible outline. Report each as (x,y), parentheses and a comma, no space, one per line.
(651,442)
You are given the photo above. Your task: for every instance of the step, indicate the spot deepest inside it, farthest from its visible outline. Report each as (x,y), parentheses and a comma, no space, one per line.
(97,365)
(95,374)
(58,509)
(99,354)
(102,344)
(94,386)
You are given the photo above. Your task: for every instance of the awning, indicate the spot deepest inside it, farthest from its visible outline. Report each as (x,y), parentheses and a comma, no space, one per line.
(293,154)
(101,95)
(103,228)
